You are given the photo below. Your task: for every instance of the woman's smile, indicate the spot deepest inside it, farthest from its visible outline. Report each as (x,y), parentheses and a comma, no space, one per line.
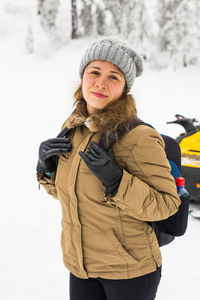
(99,95)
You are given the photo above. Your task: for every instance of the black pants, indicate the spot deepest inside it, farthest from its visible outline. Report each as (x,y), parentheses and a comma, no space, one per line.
(139,288)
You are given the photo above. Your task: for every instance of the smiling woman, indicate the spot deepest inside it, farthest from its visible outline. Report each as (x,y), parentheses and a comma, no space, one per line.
(107,200)
(103,83)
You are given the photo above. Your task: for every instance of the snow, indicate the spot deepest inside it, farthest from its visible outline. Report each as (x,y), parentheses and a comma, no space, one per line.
(36,96)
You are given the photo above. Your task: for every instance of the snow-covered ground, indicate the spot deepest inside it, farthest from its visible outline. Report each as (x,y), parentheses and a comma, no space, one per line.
(36,97)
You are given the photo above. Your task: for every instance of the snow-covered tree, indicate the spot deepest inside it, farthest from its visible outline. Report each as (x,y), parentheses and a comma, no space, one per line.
(100,19)
(177,22)
(197,18)
(39,6)
(86,17)
(47,9)
(92,17)
(127,19)
(116,9)
(29,41)
(132,22)
(74,33)
(139,27)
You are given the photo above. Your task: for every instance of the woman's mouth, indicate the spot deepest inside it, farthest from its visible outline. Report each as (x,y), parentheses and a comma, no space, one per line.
(98,95)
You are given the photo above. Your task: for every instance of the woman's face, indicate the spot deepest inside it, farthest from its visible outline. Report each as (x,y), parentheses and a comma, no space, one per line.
(102,84)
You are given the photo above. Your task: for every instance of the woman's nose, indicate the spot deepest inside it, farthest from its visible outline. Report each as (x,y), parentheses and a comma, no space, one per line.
(101,84)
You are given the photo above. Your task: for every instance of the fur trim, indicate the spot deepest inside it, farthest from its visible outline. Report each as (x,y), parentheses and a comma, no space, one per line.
(108,119)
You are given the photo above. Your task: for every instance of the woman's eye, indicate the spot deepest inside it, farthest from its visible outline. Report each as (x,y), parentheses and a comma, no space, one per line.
(95,72)
(114,77)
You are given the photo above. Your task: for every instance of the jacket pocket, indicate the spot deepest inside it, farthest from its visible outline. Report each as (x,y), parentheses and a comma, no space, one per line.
(119,248)
(68,243)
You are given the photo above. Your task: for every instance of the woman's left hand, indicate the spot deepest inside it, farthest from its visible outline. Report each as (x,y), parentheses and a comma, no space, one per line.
(101,164)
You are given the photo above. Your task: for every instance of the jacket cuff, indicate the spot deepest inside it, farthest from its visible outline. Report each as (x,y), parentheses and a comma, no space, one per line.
(44,178)
(48,183)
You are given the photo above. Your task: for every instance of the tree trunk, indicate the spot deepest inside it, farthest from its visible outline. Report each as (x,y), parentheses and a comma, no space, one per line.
(39,6)
(74,33)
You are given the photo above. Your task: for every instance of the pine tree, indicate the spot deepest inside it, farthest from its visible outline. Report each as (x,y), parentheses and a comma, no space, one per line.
(139,27)
(29,41)
(116,8)
(74,33)
(186,22)
(132,22)
(100,19)
(176,21)
(86,17)
(39,6)
(197,19)
(48,9)
(127,19)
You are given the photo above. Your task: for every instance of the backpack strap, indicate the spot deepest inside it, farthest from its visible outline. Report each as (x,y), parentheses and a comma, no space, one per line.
(107,141)
(173,152)
(63,132)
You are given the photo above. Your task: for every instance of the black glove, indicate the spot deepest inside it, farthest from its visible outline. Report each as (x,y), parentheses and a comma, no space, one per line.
(101,164)
(49,151)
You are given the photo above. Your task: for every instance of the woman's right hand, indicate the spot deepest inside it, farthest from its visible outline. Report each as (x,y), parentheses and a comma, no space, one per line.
(49,151)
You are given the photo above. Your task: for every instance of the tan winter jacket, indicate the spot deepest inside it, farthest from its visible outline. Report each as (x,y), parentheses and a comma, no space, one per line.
(110,237)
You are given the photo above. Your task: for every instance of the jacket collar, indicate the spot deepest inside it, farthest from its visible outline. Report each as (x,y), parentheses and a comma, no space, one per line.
(107,120)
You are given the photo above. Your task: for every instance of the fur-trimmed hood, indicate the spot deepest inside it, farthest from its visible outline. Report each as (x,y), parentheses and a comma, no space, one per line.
(107,120)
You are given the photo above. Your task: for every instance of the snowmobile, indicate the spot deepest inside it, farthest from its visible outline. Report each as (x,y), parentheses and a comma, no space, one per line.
(189,142)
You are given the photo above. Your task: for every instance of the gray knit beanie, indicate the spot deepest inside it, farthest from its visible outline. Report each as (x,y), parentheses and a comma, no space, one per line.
(116,52)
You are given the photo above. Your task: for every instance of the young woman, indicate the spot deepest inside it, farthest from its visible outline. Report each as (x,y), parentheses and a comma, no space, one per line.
(108,246)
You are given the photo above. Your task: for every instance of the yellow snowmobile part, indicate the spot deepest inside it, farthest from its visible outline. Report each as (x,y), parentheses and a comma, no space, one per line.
(190,150)
(190,145)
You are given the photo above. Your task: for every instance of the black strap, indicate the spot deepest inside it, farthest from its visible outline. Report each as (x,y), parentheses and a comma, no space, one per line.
(107,141)
(63,132)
